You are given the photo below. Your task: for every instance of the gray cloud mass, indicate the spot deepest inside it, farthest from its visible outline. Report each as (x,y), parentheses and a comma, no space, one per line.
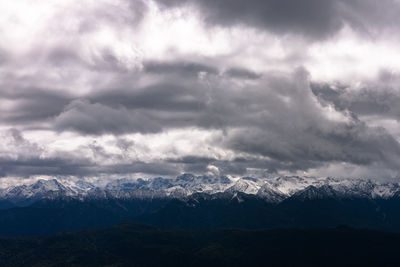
(312,18)
(135,87)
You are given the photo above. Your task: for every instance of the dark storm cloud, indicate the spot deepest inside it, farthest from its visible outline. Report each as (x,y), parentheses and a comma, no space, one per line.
(312,18)
(178,99)
(293,131)
(187,102)
(88,118)
(180,68)
(242,74)
(279,118)
(193,160)
(348,143)
(164,96)
(146,110)
(79,167)
(36,166)
(32,104)
(374,99)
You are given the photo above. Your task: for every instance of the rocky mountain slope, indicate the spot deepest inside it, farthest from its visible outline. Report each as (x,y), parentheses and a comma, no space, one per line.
(273,190)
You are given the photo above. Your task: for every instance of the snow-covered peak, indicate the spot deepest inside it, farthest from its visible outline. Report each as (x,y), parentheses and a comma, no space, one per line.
(245,185)
(125,185)
(41,189)
(47,185)
(270,194)
(289,185)
(312,192)
(189,182)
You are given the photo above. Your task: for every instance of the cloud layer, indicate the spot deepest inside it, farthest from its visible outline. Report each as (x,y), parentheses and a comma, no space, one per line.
(310,18)
(132,88)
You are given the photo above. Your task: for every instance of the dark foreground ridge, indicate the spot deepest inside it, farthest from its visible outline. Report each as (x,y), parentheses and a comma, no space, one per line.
(141,245)
(200,211)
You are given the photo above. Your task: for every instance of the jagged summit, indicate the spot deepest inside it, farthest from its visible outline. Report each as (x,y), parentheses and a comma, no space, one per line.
(270,194)
(312,192)
(41,189)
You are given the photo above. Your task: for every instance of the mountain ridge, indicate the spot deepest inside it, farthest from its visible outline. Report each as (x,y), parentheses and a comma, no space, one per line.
(274,190)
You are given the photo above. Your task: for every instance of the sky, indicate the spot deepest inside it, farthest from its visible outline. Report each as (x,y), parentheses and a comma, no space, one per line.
(145,88)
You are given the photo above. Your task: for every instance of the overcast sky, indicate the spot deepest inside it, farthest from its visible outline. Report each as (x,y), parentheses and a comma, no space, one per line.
(130,88)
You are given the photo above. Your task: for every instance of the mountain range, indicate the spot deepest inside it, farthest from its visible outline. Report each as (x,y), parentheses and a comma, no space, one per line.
(274,190)
(202,202)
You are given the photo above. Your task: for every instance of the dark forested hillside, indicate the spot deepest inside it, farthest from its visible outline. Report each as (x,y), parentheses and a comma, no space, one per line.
(140,245)
(201,211)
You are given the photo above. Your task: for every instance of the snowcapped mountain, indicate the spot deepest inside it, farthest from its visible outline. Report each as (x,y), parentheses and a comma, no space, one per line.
(42,189)
(271,190)
(312,192)
(181,186)
(289,185)
(270,194)
(246,185)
